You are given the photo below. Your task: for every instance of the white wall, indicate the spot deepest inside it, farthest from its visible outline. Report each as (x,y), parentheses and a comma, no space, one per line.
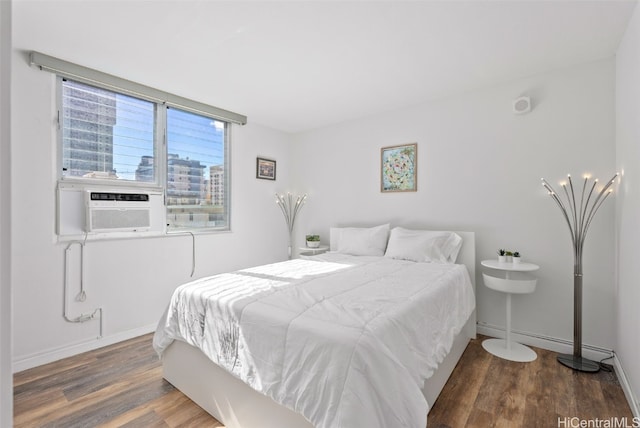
(130,279)
(6,374)
(479,169)
(628,202)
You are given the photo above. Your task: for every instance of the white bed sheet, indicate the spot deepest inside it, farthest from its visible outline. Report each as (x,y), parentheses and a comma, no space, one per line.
(345,341)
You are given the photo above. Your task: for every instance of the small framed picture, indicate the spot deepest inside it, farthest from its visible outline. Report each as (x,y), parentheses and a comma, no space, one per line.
(265,169)
(398,169)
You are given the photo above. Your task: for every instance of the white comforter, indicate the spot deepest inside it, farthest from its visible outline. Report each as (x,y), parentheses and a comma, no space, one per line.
(345,341)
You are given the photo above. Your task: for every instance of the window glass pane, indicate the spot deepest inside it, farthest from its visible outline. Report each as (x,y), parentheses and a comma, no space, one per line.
(106,134)
(196,166)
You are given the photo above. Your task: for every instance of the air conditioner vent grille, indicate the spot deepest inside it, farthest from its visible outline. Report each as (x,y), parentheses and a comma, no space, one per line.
(119,219)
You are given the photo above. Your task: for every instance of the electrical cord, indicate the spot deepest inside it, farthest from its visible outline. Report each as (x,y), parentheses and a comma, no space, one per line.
(605,367)
(82,295)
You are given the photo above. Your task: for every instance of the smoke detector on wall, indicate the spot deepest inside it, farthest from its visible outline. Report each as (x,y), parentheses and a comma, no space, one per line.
(522,105)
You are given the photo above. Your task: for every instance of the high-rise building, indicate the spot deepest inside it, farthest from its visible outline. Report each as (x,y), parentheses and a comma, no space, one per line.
(185,181)
(89,118)
(144,172)
(216,185)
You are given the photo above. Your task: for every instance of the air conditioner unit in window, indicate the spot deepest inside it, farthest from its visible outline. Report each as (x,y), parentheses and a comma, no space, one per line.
(117,211)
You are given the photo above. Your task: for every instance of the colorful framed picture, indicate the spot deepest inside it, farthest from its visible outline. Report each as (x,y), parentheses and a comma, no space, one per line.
(265,169)
(399,167)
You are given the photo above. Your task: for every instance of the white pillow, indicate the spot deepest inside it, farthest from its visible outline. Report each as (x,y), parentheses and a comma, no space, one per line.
(360,241)
(423,245)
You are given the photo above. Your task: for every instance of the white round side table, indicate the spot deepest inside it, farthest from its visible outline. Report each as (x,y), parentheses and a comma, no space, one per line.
(506,348)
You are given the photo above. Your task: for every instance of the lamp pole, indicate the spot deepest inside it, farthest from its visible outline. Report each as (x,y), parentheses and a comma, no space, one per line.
(578,218)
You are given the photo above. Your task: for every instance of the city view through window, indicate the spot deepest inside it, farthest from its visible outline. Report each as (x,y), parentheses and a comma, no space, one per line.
(195,170)
(111,136)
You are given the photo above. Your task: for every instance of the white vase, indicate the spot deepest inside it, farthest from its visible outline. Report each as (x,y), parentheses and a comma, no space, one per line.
(502,259)
(313,244)
(516,260)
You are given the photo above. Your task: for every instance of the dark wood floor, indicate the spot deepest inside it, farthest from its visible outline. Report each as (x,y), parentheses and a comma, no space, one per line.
(122,386)
(487,391)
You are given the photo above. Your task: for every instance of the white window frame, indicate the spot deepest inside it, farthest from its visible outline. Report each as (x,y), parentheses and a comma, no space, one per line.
(162,100)
(158,153)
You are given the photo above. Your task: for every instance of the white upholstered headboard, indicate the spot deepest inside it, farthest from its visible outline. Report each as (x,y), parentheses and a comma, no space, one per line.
(467,254)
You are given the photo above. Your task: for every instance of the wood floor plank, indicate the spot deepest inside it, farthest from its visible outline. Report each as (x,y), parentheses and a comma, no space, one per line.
(540,408)
(122,386)
(133,417)
(500,393)
(38,407)
(478,419)
(111,364)
(113,399)
(100,412)
(148,419)
(184,413)
(45,370)
(464,387)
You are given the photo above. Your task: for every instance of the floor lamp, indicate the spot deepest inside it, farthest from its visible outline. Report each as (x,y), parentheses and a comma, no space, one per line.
(578,217)
(290,205)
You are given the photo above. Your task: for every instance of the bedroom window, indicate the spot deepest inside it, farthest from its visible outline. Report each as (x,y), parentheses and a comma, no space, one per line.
(197,168)
(111,138)
(106,135)
(115,139)
(119,134)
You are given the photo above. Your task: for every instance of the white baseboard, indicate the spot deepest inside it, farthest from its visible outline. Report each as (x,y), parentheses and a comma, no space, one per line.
(626,387)
(554,344)
(55,354)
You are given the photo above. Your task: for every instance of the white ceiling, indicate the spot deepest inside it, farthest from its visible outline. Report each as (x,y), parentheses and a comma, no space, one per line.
(300,65)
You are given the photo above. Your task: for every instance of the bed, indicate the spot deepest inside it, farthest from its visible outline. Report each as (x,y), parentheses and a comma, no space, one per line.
(343,339)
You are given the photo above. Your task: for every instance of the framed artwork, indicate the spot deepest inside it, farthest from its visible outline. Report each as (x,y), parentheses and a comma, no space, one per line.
(399,167)
(265,169)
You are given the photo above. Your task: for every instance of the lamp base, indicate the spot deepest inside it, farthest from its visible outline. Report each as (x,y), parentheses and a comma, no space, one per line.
(578,363)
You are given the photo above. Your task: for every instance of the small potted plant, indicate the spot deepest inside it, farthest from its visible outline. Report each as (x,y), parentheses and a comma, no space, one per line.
(509,255)
(313,241)
(502,255)
(516,257)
